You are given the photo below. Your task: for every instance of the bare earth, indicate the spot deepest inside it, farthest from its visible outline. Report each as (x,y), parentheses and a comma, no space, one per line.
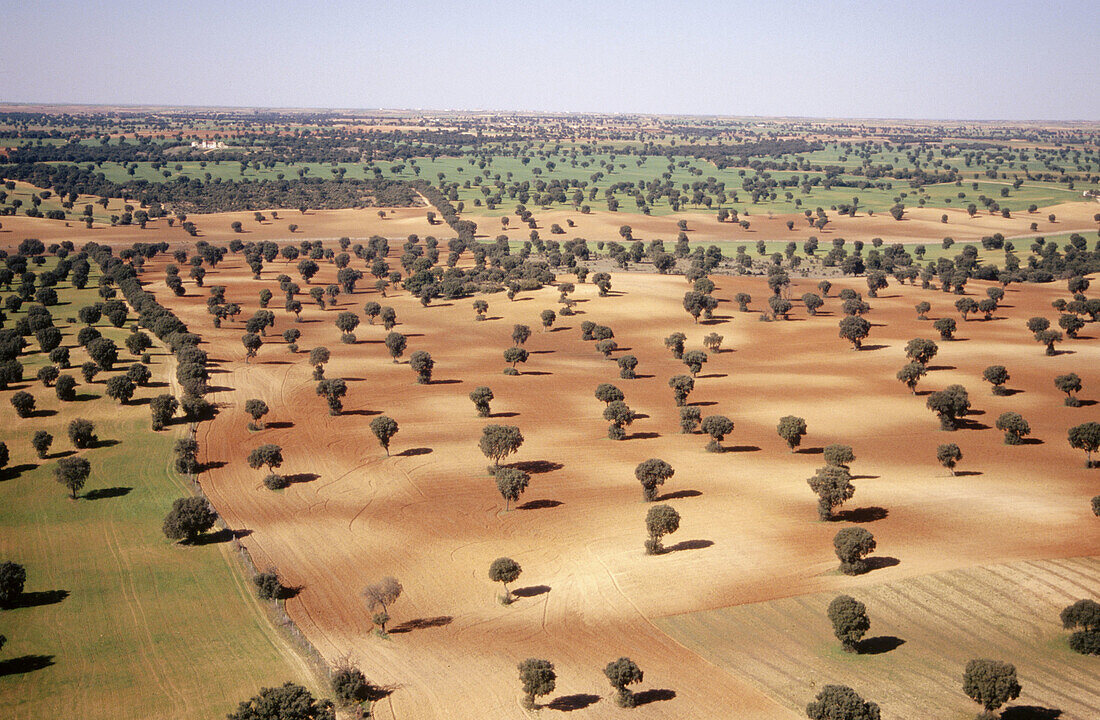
(431,516)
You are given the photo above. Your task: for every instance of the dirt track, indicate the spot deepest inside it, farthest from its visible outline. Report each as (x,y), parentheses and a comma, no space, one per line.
(431,516)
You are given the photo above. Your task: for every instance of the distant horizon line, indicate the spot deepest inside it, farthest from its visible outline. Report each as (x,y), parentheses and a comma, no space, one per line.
(564,113)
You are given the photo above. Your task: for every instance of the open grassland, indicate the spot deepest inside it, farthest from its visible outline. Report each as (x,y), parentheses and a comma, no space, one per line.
(923,632)
(118,622)
(429,515)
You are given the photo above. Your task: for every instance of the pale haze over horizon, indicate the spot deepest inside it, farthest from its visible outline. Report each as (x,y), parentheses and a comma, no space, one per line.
(937,60)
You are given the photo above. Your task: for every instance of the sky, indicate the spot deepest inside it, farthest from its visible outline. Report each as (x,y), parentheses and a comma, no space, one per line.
(956,60)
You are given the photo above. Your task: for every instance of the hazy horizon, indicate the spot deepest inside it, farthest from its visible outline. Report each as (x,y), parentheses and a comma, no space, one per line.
(980,61)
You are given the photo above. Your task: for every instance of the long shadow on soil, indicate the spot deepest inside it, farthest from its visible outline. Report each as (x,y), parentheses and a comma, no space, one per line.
(24,664)
(539,504)
(413,452)
(105,493)
(37,599)
(642,436)
(646,697)
(10,473)
(878,563)
(742,448)
(220,536)
(422,624)
(532,591)
(679,494)
(1030,712)
(537,467)
(863,515)
(879,645)
(689,545)
(569,703)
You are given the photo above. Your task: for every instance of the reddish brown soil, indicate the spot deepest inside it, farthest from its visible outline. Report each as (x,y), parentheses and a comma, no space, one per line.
(431,516)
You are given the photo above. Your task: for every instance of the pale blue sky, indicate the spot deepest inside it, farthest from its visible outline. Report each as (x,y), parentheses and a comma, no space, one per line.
(952,60)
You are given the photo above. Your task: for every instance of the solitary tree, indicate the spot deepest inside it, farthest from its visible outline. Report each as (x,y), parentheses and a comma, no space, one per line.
(1048,338)
(851,545)
(1083,614)
(480,307)
(520,333)
(949,456)
(946,328)
(608,393)
(620,673)
(922,309)
(1070,384)
(997,376)
(1085,436)
(189,518)
(717,426)
(505,570)
(690,417)
(660,520)
(840,702)
(256,409)
(481,396)
(547,317)
(421,363)
(813,302)
(13,578)
(120,388)
(910,374)
(949,404)
(838,455)
(854,329)
(41,442)
(681,385)
(318,356)
(651,473)
(288,702)
(791,429)
(1015,428)
(252,343)
(538,679)
(346,322)
(850,621)
(627,365)
(379,597)
(499,441)
(82,433)
(384,428)
(24,403)
(833,485)
(395,343)
(675,343)
(921,350)
(619,415)
(990,683)
(333,390)
(268,455)
(512,355)
(511,482)
(72,472)
(694,359)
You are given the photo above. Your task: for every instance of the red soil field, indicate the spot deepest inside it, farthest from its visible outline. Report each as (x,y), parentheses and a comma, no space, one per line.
(431,516)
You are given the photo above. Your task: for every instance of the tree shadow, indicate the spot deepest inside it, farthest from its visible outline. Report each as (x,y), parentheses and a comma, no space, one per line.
(539,504)
(279,425)
(38,599)
(569,703)
(536,372)
(213,465)
(537,467)
(1030,712)
(503,414)
(24,664)
(105,493)
(422,624)
(1030,441)
(1086,403)
(1009,392)
(43,413)
(363,413)
(102,444)
(547,352)
(646,697)
(451,381)
(866,477)
(880,562)
(872,348)
(964,424)
(702,403)
(531,591)
(932,368)
(879,645)
(742,448)
(689,545)
(642,436)
(413,452)
(641,416)
(967,473)
(678,495)
(221,536)
(863,515)
(810,451)
(14,471)
(301,478)
(85,397)
(712,375)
